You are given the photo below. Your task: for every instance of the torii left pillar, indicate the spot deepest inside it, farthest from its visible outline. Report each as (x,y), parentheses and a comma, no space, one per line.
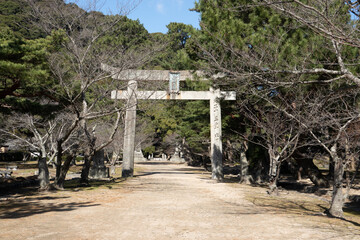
(129,132)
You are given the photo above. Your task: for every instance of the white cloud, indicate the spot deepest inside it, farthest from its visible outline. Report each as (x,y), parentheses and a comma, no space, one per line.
(180,2)
(160,7)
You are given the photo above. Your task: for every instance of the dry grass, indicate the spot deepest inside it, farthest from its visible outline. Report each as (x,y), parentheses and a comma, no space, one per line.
(308,208)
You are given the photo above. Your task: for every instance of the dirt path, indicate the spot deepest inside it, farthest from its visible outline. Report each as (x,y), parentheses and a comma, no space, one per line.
(165,201)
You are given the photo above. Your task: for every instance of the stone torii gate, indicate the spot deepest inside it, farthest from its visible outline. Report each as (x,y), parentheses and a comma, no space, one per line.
(132,95)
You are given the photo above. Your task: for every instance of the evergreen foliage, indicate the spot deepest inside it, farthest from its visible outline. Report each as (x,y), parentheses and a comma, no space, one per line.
(177,47)
(16,14)
(24,73)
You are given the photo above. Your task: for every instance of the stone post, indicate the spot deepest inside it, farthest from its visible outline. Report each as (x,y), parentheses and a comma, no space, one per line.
(138,155)
(129,133)
(215,131)
(99,170)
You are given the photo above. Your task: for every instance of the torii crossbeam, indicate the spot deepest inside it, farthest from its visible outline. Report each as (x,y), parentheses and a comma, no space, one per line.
(132,95)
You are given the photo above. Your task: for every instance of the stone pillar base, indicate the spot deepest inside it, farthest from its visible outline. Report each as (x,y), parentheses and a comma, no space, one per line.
(139,157)
(99,172)
(177,159)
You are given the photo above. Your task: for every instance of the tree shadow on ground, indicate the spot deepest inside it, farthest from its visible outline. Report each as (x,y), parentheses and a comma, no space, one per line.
(175,171)
(69,184)
(27,201)
(76,186)
(141,174)
(353,206)
(25,207)
(231,179)
(157,163)
(19,192)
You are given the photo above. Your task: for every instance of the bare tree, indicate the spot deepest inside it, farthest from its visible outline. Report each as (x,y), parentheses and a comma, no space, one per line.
(327,119)
(39,134)
(83,87)
(271,128)
(37,141)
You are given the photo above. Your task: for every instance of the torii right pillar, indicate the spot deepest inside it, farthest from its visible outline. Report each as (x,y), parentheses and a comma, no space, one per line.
(215,132)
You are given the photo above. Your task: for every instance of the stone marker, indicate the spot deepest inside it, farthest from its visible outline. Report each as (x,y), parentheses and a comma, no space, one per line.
(98,170)
(139,156)
(177,157)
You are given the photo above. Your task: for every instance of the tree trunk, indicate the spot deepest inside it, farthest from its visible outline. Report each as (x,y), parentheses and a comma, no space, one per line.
(113,158)
(273,170)
(85,170)
(43,172)
(349,182)
(257,177)
(59,182)
(244,175)
(261,172)
(337,201)
(331,169)
(88,156)
(229,152)
(298,172)
(58,162)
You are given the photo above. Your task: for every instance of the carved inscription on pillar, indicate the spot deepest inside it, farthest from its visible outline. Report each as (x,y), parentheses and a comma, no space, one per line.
(174,85)
(215,131)
(217,120)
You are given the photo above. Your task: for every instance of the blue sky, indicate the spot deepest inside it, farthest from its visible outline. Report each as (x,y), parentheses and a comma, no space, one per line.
(153,14)
(156,14)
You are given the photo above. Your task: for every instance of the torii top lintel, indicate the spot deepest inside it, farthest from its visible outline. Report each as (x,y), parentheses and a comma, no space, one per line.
(152,75)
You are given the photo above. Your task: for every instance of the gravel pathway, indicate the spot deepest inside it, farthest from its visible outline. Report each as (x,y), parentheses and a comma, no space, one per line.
(165,201)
